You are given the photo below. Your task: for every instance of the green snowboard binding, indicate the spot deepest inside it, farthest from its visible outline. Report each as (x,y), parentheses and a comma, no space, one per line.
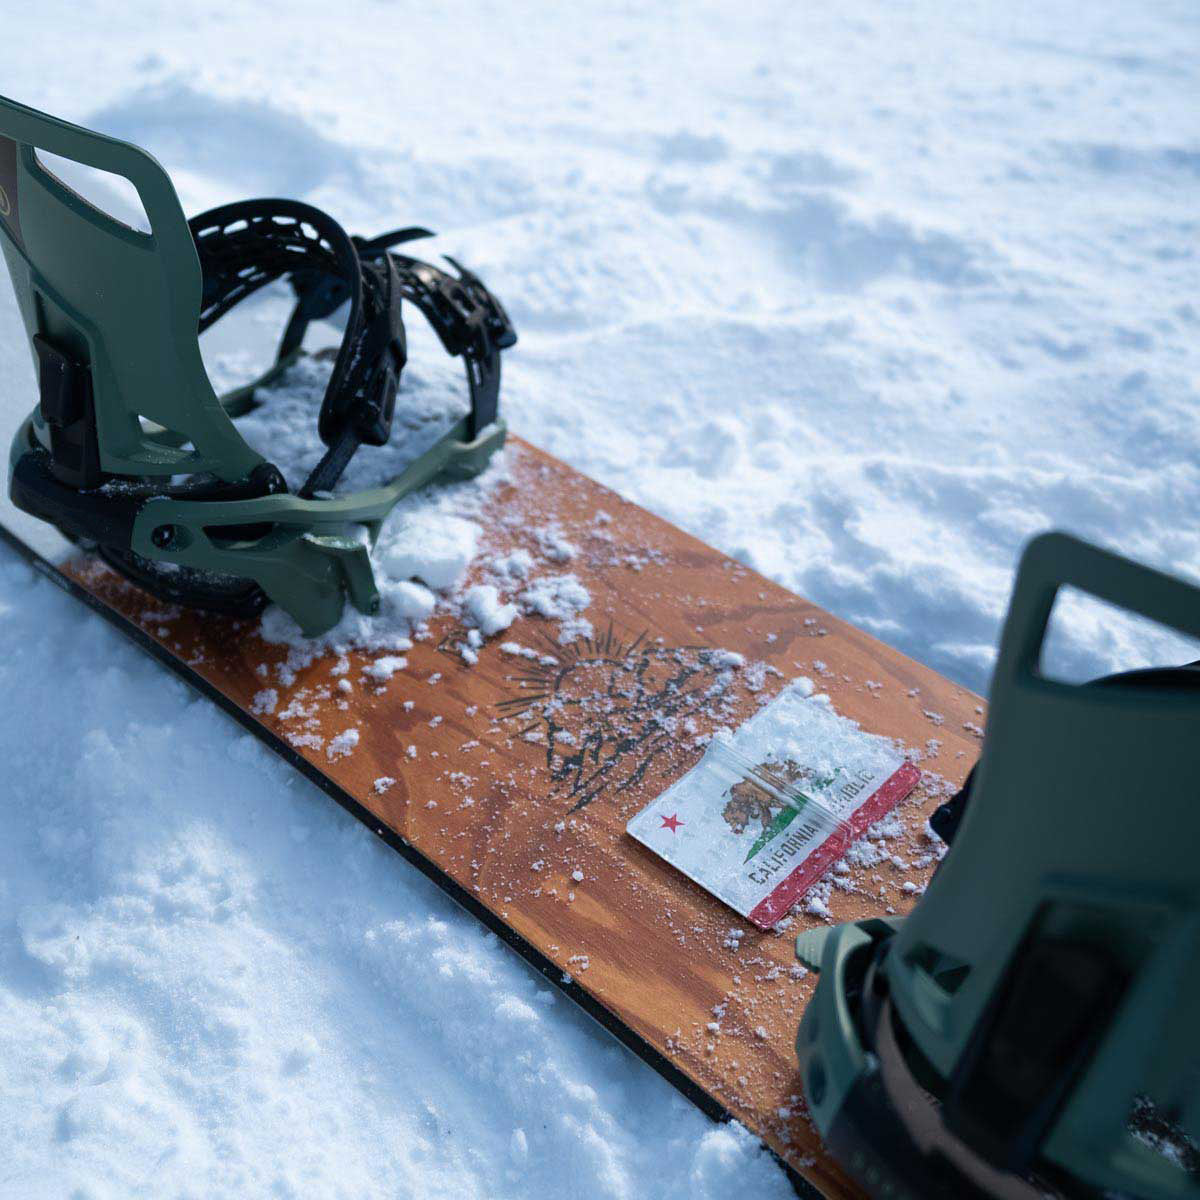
(132,453)
(1031,1028)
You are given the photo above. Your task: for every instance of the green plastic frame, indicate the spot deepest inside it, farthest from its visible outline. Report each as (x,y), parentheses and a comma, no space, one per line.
(127,303)
(1084,813)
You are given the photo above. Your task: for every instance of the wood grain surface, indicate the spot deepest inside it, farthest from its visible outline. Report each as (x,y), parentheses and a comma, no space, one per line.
(532,822)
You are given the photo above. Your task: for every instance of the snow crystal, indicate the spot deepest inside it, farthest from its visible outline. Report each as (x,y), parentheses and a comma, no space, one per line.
(816,900)
(484,607)
(557,597)
(518,1146)
(554,544)
(726,658)
(432,547)
(561,598)
(385,667)
(519,651)
(343,744)
(512,567)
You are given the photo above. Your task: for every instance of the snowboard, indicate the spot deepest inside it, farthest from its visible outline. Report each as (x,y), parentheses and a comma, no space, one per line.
(508,772)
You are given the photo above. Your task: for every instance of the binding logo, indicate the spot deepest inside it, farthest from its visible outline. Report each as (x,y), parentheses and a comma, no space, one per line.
(5,205)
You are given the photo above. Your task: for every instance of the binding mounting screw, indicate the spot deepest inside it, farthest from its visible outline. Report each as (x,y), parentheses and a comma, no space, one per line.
(163,537)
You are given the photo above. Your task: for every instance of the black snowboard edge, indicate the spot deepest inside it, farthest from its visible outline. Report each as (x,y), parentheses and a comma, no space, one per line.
(706,1103)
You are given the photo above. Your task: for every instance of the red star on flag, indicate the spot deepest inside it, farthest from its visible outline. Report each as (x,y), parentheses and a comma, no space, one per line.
(672,823)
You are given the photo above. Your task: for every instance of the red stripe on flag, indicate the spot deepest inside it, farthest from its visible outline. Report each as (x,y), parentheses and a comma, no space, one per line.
(881,801)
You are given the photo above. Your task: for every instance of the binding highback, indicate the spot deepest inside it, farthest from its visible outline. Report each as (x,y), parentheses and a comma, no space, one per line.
(1072,891)
(111,312)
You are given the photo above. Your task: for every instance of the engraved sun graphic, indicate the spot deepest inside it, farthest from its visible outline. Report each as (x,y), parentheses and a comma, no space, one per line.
(607,709)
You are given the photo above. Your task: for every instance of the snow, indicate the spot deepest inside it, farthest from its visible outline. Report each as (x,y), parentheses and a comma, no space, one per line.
(342,745)
(511,567)
(560,598)
(435,550)
(862,296)
(554,544)
(485,609)
(384,667)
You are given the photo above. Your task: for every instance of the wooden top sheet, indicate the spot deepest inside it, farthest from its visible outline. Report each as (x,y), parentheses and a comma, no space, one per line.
(516,775)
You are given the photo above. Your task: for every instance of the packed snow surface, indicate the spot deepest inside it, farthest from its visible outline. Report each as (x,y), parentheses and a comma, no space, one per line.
(863,295)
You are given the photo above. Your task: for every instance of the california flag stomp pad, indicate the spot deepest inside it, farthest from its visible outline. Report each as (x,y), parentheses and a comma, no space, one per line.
(771,807)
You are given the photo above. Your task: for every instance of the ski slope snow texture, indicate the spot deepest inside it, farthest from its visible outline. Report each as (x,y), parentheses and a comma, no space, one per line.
(864,296)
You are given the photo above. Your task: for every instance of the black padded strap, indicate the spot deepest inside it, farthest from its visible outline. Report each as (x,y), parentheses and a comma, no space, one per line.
(321,293)
(245,246)
(467,318)
(469,321)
